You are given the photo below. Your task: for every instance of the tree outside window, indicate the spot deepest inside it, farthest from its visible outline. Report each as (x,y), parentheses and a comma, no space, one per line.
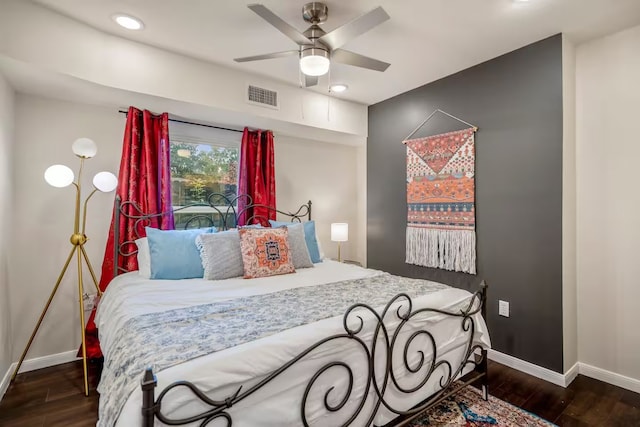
(197,170)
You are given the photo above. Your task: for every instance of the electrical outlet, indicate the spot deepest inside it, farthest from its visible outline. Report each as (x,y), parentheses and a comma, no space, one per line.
(503,308)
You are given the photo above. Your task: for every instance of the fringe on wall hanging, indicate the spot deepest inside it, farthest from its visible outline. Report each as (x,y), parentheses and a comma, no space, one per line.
(441,199)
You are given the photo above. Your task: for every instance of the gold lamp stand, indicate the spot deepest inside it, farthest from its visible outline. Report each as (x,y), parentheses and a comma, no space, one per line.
(62,176)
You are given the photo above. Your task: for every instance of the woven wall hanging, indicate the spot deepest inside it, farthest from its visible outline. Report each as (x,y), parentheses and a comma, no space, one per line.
(441,230)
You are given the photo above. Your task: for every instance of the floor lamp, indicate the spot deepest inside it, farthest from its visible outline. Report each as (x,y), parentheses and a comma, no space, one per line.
(62,176)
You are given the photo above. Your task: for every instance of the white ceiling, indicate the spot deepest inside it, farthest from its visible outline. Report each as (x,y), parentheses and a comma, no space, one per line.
(424,40)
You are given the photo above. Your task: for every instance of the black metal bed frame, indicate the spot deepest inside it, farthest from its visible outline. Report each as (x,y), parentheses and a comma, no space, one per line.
(224,206)
(385,340)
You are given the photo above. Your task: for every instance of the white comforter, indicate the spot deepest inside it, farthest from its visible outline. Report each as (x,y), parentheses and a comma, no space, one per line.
(219,374)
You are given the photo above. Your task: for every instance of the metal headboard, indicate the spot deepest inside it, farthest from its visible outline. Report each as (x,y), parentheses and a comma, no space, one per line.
(224,216)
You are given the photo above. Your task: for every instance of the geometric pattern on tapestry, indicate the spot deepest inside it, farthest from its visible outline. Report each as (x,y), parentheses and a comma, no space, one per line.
(441,201)
(416,166)
(462,160)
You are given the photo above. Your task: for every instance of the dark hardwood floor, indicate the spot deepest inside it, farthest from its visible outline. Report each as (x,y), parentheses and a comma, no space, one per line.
(54,397)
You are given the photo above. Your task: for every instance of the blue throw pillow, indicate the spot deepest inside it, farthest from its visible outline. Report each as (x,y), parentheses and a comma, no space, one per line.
(174,254)
(309,237)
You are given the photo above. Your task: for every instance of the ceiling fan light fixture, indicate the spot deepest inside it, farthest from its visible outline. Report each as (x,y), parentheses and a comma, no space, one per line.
(314,62)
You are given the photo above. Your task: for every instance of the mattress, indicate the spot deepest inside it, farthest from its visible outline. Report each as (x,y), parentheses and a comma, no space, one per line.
(220,373)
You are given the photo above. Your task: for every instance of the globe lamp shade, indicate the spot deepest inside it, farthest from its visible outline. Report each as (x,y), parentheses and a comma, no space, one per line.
(58,176)
(105,182)
(84,148)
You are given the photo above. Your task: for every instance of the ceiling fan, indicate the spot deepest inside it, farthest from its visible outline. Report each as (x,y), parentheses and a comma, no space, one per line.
(316,47)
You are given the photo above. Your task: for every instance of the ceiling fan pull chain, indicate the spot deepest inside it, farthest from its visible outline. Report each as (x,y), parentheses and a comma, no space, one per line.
(329,97)
(302,97)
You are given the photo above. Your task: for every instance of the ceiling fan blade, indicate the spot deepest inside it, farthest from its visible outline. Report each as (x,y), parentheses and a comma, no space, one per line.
(310,80)
(357,60)
(267,56)
(277,22)
(341,35)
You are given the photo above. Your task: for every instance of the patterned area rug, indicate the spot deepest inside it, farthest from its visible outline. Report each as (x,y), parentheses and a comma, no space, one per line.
(467,408)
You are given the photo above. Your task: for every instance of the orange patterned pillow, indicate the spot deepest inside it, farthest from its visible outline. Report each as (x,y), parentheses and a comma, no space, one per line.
(265,252)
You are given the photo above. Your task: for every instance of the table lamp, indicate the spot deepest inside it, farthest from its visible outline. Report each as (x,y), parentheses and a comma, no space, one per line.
(339,233)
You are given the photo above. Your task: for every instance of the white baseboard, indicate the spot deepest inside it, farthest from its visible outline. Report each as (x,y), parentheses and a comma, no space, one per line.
(36,363)
(4,384)
(610,377)
(571,374)
(529,368)
(564,380)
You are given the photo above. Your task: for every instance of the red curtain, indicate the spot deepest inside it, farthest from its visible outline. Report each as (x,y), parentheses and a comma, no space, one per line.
(144,178)
(257,177)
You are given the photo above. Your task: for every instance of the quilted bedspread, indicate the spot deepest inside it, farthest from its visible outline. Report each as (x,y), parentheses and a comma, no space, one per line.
(160,340)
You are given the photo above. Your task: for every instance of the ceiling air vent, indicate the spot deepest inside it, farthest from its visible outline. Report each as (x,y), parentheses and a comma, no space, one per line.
(262,97)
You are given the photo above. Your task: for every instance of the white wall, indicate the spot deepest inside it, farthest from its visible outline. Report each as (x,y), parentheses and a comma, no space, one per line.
(361,249)
(45,128)
(327,175)
(569,282)
(6,217)
(608,202)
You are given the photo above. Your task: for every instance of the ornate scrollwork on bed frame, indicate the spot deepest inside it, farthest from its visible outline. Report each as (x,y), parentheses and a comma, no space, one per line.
(385,340)
(223,207)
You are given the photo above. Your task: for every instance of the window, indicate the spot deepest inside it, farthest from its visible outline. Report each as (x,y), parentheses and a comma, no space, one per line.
(198,170)
(203,161)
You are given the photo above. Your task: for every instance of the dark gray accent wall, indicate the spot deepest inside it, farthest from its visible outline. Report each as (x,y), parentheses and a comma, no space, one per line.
(516,101)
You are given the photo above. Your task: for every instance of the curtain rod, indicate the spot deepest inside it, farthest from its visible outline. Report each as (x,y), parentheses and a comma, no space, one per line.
(192,123)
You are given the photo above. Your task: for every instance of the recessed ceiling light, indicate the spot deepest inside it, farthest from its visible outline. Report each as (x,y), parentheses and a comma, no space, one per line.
(127,21)
(339,87)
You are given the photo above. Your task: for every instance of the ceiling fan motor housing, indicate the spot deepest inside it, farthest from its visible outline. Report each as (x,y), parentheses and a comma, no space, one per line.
(315,13)
(314,32)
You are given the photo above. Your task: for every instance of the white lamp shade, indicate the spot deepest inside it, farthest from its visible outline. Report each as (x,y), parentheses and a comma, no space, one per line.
(105,182)
(339,232)
(84,147)
(58,176)
(314,65)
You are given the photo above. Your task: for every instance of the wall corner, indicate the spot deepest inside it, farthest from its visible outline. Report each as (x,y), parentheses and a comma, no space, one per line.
(569,246)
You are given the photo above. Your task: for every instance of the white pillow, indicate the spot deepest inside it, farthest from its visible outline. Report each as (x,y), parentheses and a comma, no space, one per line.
(144,258)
